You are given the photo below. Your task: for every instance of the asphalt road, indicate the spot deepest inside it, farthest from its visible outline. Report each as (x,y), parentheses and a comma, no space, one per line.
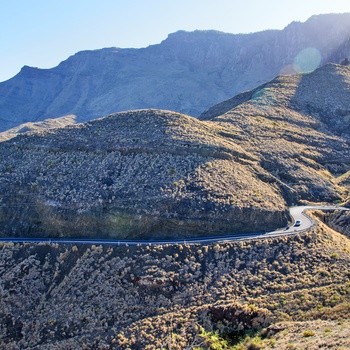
(297,213)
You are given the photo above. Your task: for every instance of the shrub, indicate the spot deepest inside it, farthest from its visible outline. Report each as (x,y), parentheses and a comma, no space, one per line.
(308,333)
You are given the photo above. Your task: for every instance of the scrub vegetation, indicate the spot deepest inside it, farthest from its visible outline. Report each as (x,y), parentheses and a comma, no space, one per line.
(178,296)
(147,173)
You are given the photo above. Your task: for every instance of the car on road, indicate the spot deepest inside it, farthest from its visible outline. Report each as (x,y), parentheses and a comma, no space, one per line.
(297,223)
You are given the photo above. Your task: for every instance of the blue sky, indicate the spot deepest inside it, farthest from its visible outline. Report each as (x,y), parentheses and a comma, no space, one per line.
(42,33)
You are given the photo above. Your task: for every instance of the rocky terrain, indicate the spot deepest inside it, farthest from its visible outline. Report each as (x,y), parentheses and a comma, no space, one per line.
(188,72)
(152,173)
(290,293)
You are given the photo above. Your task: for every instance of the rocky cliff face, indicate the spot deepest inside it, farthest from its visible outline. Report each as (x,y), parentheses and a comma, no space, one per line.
(137,175)
(187,72)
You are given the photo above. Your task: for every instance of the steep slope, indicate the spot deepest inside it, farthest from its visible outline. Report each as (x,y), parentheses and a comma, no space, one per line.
(187,72)
(103,297)
(141,174)
(298,126)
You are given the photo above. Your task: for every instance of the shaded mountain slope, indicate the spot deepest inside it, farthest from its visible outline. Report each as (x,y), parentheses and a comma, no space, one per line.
(298,126)
(141,174)
(188,72)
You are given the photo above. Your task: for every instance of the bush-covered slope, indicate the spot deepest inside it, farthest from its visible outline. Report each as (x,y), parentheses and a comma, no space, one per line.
(151,173)
(141,174)
(151,297)
(298,127)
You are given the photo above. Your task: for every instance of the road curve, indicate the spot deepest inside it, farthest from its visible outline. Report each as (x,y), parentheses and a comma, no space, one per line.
(297,213)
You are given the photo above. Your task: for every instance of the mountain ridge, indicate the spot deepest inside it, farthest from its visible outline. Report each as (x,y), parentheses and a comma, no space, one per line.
(296,125)
(188,72)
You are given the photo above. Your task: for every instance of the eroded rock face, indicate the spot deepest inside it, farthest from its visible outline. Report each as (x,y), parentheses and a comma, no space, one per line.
(142,174)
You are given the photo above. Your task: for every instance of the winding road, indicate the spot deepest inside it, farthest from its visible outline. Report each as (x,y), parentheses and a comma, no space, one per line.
(297,213)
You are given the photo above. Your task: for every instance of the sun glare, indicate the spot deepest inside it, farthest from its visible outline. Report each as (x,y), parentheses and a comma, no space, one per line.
(307,60)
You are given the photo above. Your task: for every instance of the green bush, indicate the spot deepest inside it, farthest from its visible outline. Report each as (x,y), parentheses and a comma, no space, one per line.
(308,333)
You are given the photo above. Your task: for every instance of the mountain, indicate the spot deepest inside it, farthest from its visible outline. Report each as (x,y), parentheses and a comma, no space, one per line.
(188,72)
(159,174)
(142,174)
(155,173)
(298,127)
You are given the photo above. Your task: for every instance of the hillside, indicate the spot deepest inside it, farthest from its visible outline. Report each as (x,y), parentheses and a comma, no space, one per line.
(151,173)
(158,174)
(37,126)
(298,127)
(142,174)
(188,72)
(176,296)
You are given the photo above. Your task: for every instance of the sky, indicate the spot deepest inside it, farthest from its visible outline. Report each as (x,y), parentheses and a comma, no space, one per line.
(42,33)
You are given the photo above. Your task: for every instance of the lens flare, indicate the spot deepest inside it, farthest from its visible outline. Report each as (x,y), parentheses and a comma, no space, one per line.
(307,60)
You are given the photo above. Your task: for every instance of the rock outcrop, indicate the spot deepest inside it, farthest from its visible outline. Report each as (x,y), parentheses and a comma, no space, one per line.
(188,72)
(135,175)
